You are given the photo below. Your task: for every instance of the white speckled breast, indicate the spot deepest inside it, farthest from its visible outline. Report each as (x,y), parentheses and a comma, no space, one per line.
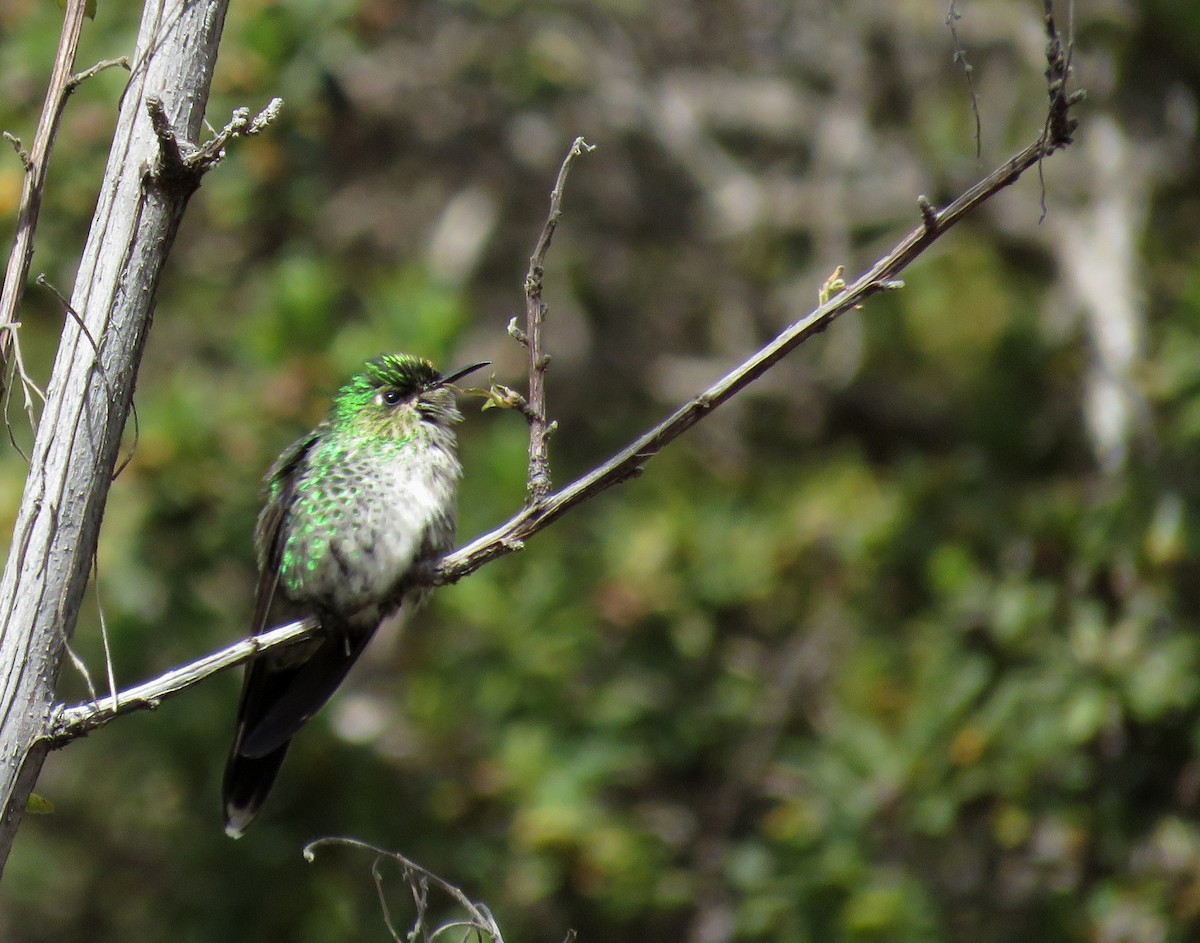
(372,512)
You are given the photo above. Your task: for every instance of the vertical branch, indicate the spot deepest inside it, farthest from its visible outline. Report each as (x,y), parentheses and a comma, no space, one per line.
(36,165)
(1059,123)
(540,428)
(91,387)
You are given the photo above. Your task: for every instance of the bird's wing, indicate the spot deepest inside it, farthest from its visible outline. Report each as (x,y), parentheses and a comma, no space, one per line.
(281,490)
(248,779)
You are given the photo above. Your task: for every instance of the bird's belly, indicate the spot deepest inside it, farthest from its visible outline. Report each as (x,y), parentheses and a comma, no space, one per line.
(357,565)
(366,563)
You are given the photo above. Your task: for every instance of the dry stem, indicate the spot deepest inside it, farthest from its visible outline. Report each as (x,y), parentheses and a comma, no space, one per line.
(540,427)
(36,162)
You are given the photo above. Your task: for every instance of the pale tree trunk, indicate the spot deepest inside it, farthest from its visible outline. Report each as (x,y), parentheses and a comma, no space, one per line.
(141,202)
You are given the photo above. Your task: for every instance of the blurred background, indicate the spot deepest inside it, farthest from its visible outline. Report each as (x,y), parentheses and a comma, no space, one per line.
(901,645)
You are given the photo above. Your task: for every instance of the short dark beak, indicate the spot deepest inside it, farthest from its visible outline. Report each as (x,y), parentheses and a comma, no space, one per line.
(446,381)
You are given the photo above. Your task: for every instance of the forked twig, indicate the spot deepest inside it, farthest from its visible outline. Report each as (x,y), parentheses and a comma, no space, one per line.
(178,161)
(418,878)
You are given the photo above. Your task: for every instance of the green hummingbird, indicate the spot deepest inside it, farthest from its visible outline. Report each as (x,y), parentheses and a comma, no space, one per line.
(358,513)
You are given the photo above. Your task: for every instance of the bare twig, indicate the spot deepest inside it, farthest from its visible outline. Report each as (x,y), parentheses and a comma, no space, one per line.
(102,66)
(35,175)
(36,164)
(240,125)
(928,214)
(172,162)
(81,666)
(960,55)
(1059,125)
(19,148)
(377,877)
(481,920)
(70,723)
(540,428)
(180,162)
(17,370)
(109,670)
(44,282)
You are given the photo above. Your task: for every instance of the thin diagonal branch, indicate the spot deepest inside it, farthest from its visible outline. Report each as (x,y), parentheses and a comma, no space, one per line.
(91,72)
(629,462)
(72,722)
(21,255)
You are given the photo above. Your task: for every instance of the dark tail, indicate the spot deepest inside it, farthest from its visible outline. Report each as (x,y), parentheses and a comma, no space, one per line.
(282,690)
(248,779)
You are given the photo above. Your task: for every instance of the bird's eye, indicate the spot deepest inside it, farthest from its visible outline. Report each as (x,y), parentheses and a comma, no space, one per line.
(392,397)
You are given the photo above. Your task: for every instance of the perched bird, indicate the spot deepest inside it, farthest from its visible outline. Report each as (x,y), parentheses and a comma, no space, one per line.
(357,513)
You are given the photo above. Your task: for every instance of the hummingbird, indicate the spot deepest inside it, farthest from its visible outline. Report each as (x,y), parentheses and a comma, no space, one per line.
(358,513)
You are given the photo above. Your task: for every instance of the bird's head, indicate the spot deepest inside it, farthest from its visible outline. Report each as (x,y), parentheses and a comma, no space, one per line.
(393,393)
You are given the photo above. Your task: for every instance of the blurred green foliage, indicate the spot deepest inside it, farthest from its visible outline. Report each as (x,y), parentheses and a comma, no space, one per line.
(881,651)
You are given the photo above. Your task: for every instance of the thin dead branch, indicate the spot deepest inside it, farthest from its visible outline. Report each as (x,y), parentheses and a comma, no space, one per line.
(419,879)
(36,163)
(180,162)
(540,427)
(103,65)
(71,722)
(960,55)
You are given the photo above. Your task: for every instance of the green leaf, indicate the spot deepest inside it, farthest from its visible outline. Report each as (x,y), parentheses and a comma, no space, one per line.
(89,8)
